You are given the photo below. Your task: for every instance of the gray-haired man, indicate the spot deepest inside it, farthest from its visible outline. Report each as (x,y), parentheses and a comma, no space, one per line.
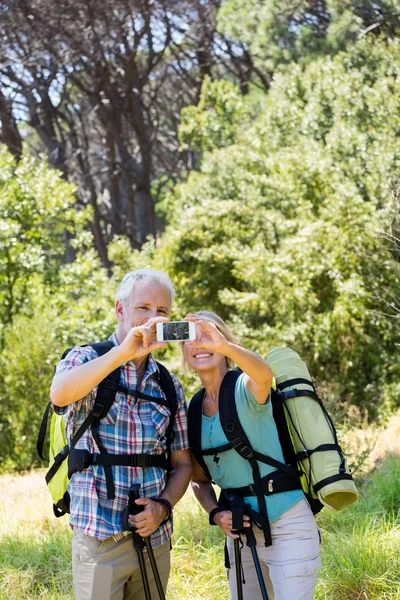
(105,564)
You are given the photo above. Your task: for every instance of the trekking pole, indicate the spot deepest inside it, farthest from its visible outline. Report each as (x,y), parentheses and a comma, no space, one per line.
(236,506)
(139,543)
(239,584)
(252,543)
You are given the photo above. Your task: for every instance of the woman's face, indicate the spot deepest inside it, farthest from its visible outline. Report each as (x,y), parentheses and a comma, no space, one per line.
(201,360)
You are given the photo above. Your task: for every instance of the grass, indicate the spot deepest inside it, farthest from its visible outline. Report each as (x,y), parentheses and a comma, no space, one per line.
(35,547)
(360,549)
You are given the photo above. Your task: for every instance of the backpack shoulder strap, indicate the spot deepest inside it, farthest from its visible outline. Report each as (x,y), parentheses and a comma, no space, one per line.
(278,411)
(42,432)
(229,416)
(194,429)
(240,442)
(233,428)
(168,387)
(104,399)
(106,392)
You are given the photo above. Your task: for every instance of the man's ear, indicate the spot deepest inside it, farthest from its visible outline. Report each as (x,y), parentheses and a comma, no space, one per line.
(119,311)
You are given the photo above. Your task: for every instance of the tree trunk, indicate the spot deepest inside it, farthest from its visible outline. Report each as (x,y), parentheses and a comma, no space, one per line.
(145,214)
(9,133)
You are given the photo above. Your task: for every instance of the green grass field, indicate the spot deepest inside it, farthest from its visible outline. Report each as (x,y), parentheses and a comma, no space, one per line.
(360,550)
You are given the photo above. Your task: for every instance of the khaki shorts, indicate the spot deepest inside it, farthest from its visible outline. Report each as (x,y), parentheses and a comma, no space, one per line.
(290,566)
(109,570)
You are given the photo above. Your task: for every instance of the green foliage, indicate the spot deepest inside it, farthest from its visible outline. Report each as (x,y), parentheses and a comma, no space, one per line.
(279,32)
(36,213)
(279,231)
(46,305)
(216,120)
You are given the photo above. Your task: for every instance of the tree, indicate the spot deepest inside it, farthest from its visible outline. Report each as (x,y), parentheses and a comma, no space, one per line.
(102,85)
(36,209)
(276,32)
(279,231)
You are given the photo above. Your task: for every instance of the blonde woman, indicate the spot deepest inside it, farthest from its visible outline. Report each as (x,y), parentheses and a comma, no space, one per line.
(255,494)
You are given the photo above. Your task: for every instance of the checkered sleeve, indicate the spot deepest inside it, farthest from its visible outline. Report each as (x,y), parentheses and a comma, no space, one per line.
(75,358)
(180,440)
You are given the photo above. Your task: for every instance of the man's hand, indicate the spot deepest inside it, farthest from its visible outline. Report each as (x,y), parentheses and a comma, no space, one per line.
(224,520)
(141,340)
(147,521)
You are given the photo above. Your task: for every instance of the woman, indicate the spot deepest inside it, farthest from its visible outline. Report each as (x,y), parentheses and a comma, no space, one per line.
(291,563)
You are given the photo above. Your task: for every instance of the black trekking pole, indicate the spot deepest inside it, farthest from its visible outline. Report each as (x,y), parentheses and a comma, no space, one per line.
(252,543)
(236,506)
(238,562)
(141,542)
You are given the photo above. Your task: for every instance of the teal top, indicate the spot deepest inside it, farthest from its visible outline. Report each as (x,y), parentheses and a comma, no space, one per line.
(231,470)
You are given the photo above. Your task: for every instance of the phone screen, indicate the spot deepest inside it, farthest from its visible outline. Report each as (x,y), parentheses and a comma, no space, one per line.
(178,330)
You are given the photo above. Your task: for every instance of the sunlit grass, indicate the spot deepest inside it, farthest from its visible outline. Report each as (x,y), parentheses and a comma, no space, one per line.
(361,563)
(35,547)
(360,549)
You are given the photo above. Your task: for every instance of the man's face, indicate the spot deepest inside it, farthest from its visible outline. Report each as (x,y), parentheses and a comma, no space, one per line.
(148,299)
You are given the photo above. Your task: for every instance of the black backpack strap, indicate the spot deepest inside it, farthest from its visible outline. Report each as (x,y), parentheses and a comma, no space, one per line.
(195,413)
(168,387)
(105,397)
(240,442)
(295,393)
(42,432)
(285,440)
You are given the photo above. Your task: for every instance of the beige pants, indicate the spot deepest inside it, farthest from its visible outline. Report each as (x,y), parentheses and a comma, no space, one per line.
(109,570)
(290,566)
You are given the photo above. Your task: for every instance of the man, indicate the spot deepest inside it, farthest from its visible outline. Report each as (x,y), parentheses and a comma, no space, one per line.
(105,564)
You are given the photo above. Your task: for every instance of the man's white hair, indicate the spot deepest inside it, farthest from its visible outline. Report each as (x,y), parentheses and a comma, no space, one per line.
(126,286)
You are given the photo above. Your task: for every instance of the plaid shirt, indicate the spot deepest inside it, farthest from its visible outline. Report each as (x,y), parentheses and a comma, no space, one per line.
(130,427)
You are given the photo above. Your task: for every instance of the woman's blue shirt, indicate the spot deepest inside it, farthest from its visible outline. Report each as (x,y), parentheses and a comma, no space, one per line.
(231,470)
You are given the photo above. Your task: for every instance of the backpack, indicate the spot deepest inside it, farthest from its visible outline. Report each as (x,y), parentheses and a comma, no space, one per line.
(330,484)
(61,469)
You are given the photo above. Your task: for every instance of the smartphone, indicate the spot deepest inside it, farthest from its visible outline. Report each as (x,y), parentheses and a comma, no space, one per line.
(176,331)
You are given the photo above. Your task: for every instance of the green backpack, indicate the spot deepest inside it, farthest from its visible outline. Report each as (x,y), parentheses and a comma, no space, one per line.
(314,460)
(61,469)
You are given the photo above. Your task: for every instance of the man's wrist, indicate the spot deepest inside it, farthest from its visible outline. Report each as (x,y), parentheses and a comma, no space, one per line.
(121,356)
(168,508)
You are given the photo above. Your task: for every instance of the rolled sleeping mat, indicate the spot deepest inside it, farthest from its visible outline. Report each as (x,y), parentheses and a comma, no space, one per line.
(310,427)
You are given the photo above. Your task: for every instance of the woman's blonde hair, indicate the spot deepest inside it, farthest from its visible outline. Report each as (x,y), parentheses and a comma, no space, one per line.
(220,324)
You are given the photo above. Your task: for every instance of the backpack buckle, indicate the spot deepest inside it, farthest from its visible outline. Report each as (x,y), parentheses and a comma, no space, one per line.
(78,461)
(244,450)
(97,410)
(290,394)
(302,455)
(110,383)
(252,490)
(247,452)
(64,451)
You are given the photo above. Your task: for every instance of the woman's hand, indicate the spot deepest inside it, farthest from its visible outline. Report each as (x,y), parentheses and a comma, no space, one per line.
(208,335)
(224,520)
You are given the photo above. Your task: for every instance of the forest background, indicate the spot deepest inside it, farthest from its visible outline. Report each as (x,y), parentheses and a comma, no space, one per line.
(251,150)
